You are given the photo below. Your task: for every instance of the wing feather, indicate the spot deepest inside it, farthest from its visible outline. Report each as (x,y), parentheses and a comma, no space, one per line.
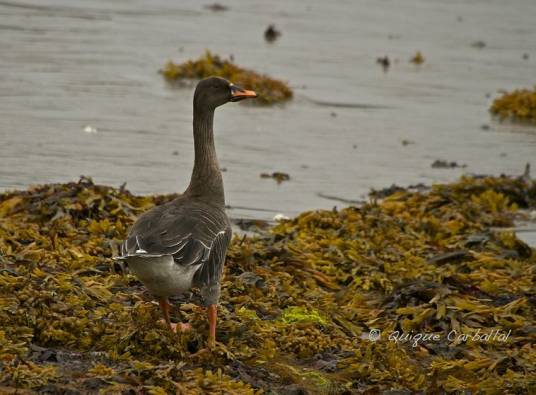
(188,232)
(211,271)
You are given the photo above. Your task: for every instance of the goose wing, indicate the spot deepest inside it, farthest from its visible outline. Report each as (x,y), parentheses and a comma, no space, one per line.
(208,277)
(187,232)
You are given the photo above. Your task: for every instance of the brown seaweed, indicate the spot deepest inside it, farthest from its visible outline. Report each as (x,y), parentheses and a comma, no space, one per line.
(269,90)
(417,59)
(307,306)
(278,176)
(519,104)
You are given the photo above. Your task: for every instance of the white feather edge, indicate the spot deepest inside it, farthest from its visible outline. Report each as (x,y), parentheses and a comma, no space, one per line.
(143,254)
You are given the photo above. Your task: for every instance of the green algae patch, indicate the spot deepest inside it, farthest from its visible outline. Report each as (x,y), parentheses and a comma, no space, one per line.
(247,314)
(295,314)
(269,90)
(517,105)
(420,291)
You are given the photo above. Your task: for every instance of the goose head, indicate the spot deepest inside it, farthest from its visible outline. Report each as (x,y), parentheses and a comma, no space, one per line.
(212,92)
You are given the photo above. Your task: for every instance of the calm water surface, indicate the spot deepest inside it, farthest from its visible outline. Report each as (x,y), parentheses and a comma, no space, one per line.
(68,64)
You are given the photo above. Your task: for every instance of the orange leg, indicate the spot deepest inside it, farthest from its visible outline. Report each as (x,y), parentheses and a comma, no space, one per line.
(165,306)
(212,316)
(212,312)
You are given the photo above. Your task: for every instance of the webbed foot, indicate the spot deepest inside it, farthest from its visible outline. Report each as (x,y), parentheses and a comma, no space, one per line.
(179,327)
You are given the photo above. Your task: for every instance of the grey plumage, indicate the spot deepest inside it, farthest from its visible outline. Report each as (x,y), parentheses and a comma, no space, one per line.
(194,233)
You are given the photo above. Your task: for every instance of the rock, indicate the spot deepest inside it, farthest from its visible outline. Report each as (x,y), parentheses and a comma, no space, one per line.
(280,217)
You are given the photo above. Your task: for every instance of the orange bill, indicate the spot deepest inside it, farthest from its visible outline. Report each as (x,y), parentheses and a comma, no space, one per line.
(237,93)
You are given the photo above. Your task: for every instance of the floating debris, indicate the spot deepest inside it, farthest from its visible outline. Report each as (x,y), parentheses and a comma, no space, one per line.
(339,199)
(271,33)
(280,217)
(90,129)
(444,164)
(332,301)
(479,44)
(278,176)
(519,104)
(216,7)
(384,62)
(269,90)
(417,58)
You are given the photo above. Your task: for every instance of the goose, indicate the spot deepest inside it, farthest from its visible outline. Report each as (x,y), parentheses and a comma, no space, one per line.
(182,244)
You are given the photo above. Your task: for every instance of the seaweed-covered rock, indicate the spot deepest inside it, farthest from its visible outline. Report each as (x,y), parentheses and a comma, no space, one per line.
(415,292)
(417,59)
(518,104)
(269,90)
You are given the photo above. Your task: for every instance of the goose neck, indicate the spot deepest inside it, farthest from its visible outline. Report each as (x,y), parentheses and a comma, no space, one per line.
(206,182)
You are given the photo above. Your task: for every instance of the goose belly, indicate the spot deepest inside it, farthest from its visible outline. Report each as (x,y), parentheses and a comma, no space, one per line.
(161,275)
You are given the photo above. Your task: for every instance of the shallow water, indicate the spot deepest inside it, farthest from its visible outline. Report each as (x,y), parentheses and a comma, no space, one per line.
(68,64)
